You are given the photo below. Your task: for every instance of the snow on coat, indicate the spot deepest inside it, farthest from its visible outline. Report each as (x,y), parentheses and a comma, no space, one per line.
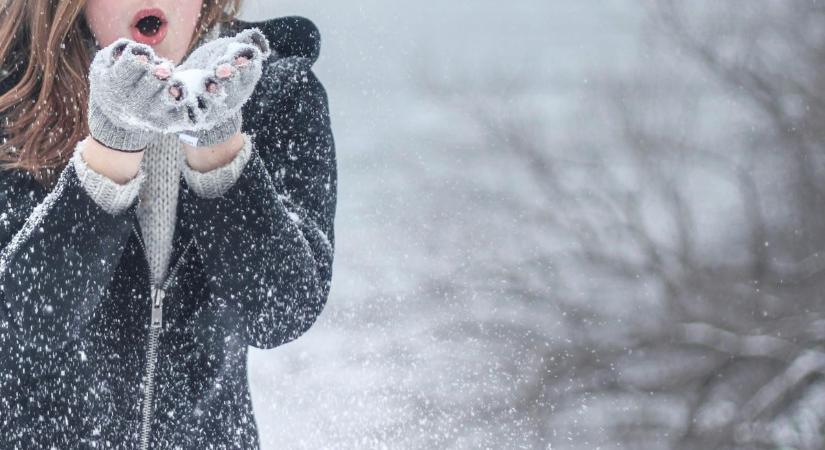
(254,268)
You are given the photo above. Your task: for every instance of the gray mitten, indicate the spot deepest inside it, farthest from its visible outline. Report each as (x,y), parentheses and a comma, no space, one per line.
(129,99)
(214,83)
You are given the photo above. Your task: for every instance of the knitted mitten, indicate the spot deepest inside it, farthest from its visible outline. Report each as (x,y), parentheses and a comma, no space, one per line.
(129,99)
(215,81)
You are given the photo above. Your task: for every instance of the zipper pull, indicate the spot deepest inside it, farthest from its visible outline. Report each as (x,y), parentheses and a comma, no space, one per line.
(158,295)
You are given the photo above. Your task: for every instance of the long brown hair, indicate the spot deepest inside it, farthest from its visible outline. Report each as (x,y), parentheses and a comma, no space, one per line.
(45,54)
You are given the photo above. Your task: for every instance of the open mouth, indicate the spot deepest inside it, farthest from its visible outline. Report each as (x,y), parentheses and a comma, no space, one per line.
(149,26)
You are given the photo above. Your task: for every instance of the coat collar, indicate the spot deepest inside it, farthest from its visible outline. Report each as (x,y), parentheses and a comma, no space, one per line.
(287,36)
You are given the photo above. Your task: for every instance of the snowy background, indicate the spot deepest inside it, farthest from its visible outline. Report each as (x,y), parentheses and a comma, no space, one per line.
(564,224)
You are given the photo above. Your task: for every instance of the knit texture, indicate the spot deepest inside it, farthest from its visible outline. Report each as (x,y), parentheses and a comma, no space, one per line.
(216,182)
(220,133)
(217,114)
(110,195)
(156,185)
(128,105)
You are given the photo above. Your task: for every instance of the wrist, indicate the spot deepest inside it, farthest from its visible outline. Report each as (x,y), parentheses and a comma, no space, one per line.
(116,165)
(204,159)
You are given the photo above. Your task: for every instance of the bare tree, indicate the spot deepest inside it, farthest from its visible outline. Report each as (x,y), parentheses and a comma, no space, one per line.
(689,210)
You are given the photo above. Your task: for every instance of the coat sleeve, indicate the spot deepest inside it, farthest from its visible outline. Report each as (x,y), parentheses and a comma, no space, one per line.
(267,243)
(59,253)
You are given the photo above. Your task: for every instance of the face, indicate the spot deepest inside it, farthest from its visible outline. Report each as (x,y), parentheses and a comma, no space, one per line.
(165,25)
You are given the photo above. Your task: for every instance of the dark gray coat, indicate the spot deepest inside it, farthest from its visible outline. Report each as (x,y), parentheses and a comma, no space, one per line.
(253,268)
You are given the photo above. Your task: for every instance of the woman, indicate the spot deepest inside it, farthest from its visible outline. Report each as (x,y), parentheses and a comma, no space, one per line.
(144,247)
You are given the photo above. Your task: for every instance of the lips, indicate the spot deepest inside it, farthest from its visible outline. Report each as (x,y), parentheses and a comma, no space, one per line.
(149,26)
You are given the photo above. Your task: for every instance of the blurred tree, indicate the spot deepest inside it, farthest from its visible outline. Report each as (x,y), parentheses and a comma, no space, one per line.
(688,252)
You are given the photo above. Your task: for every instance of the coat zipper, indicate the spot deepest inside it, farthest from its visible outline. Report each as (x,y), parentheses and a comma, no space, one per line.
(158,294)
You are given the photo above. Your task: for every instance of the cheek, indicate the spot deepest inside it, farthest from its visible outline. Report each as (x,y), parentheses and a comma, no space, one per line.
(185,13)
(191,9)
(102,17)
(183,17)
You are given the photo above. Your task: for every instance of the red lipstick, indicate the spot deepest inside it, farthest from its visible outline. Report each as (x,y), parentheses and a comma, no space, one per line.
(149,26)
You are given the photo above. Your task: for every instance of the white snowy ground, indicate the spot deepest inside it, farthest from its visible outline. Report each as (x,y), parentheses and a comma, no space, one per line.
(396,360)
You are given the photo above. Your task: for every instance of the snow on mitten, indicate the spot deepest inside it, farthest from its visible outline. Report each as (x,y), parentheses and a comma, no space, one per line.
(215,81)
(129,99)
